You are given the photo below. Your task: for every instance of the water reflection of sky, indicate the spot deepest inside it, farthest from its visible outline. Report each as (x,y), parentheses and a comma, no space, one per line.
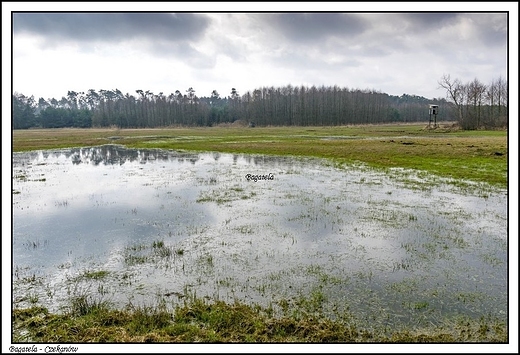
(83,208)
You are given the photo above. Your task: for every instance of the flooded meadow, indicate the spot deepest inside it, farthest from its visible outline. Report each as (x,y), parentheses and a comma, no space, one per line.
(145,227)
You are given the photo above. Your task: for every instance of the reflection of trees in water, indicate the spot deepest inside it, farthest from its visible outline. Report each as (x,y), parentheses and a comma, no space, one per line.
(115,154)
(268,160)
(105,154)
(118,155)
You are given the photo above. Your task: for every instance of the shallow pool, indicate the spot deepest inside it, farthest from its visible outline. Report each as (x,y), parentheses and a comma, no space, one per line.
(147,226)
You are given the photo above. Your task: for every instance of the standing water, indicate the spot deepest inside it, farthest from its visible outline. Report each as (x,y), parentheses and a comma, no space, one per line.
(146,226)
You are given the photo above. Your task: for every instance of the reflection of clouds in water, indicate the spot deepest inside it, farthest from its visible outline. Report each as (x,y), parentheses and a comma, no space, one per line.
(98,201)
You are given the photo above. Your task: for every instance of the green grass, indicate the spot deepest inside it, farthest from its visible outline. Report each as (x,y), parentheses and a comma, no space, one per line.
(479,156)
(95,274)
(200,321)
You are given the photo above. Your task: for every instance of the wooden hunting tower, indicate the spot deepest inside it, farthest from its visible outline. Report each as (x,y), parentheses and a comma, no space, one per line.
(434,109)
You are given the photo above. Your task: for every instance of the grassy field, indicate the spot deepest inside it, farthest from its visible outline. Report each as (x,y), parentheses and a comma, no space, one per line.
(479,156)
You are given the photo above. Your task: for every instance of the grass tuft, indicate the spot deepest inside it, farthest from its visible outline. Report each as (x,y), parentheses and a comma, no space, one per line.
(198,320)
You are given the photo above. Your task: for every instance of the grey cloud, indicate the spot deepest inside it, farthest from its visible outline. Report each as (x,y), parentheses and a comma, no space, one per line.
(160,34)
(300,60)
(312,27)
(111,27)
(379,50)
(491,29)
(227,47)
(184,51)
(429,20)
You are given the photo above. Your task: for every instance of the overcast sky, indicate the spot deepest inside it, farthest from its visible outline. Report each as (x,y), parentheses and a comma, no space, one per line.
(396,53)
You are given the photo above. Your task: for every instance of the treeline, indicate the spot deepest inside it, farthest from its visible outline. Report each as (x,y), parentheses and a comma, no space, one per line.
(476,104)
(314,106)
(281,106)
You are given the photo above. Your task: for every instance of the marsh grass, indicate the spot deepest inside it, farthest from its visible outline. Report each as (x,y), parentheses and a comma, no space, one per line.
(33,244)
(131,260)
(201,321)
(138,254)
(81,305)
(224,196)
(95,275)
(162,250)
